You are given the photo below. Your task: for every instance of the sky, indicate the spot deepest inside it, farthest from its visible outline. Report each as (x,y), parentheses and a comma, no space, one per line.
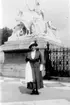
(55,10)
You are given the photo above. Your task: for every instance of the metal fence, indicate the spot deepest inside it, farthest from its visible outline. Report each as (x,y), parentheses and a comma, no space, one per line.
(57,61)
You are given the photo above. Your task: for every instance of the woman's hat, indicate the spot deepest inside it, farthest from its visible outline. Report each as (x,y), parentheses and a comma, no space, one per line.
(34,43)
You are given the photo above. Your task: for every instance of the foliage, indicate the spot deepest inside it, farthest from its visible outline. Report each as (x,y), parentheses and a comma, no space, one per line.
(4,34)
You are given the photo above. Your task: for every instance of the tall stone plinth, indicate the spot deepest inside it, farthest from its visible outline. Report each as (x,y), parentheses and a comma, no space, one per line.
(14,56)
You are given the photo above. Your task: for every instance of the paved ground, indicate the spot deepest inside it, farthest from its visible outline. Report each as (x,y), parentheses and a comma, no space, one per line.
(14,92)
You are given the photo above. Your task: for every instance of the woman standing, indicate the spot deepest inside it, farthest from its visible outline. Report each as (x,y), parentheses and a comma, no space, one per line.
(35,59)
(2,58)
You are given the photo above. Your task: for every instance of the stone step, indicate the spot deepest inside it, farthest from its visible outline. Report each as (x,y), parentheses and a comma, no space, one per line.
(40,102)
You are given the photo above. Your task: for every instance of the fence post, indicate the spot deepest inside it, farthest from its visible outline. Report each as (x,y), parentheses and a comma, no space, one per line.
(46,57)
(63,60)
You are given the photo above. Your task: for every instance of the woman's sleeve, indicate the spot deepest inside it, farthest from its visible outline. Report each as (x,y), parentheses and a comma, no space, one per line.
(41,62)
(26,59)
(40,57)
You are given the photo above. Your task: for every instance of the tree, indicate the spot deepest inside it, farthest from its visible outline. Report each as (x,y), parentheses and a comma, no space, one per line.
(0,36)
(4,34)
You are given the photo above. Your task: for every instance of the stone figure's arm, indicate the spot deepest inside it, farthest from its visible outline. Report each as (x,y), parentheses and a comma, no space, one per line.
(29,8)
(53,28)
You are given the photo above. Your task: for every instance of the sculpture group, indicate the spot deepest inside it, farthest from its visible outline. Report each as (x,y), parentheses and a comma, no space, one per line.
(32,22)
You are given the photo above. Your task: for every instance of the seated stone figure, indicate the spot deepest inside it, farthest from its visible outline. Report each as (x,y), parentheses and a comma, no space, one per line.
(37,25)
(49,29)
(33,23)
(18,31)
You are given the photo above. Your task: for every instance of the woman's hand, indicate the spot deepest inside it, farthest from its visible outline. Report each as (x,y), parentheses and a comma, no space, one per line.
(41,67)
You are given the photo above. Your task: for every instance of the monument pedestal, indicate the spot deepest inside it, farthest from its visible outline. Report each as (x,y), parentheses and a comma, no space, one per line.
(15,52)
(14,56)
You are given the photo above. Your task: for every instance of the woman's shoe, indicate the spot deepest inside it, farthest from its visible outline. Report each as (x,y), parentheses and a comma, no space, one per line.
(36,92)
(33,92)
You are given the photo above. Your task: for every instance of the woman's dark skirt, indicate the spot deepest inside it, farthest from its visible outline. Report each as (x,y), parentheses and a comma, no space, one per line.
(39,84)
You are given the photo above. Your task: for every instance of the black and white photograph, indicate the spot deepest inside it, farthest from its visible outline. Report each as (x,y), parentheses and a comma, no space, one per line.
(34,52)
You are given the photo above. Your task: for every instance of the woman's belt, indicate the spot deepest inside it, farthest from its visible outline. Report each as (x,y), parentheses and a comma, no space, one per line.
(33,60)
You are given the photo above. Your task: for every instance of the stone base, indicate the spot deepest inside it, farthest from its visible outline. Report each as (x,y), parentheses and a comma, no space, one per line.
(14,65)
